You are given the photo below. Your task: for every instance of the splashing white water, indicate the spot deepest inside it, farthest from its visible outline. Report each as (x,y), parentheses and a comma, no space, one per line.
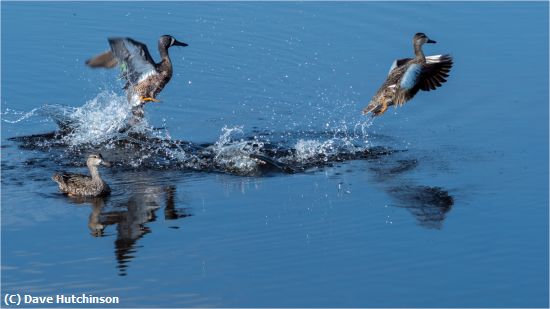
(104,121)
(226,136)
(308,149)
(100,119)
(343,140)
(234,155)
(22,115)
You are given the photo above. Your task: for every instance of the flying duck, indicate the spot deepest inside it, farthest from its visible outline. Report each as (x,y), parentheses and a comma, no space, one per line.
(409,75)
(82,185)
(144,78)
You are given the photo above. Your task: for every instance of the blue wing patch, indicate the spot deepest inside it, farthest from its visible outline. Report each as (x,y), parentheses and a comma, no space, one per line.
(410,78)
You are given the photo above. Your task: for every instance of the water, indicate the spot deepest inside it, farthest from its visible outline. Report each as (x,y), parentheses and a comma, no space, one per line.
(256,181)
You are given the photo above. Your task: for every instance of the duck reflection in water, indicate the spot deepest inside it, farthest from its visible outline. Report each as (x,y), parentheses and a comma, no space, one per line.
(97,203)
(429,205)
(131,218)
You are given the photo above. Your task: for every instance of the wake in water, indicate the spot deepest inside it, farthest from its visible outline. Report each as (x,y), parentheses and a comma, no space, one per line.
(101,125)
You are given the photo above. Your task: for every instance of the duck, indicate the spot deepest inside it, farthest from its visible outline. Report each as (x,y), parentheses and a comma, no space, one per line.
(409,75)
(83,185)
(145,79)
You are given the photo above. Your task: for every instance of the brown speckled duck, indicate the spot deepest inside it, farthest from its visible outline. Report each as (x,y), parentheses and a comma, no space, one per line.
(409,75)
(82,185)
(145,79)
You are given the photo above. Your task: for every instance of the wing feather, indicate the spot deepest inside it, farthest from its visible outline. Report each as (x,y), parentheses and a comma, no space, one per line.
(134,59)
(397,63)
(435,72)
(411,76)
(103,60)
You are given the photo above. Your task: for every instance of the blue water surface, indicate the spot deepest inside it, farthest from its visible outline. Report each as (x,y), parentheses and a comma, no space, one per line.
(355,233)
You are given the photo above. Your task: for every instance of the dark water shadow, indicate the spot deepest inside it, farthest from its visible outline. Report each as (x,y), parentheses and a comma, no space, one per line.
(428,204)
(247,156)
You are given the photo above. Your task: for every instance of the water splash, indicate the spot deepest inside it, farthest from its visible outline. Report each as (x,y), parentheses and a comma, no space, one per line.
(101,124)
(99,119)
(308,149)
(96,121)
(22,115)
(234,155)
(226,136)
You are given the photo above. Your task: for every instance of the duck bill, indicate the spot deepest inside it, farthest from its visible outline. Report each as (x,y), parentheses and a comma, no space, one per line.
(431,41)
(178,43)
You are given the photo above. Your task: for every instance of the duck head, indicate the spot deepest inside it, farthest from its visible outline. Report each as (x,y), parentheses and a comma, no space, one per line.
(167,41)
(96,159)
(420,39)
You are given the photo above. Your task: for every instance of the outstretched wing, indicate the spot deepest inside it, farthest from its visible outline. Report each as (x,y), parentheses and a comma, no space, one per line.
(426,77)
(133,57)
(104,60)
(435,72)
(397,63)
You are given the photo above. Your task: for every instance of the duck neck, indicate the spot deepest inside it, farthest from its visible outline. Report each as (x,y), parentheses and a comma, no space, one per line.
(418,52)
(165,58)
(94,172)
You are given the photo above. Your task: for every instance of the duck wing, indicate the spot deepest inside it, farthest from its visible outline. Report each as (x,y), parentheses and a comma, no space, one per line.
(397,63)
(103,60)
(435,72)
(423,76)
(75,179)
(408,83)
(134,59)
(68,182)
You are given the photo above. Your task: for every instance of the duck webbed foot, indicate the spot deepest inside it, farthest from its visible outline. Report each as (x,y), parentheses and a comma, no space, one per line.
(381,108)
(148,99)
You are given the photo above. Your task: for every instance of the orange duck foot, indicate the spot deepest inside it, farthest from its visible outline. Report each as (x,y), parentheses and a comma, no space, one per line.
(380,110)
(148,99)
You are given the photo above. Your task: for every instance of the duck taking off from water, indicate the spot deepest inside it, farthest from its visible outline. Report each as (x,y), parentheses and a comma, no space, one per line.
(145,79)
(82,185)
(409,75)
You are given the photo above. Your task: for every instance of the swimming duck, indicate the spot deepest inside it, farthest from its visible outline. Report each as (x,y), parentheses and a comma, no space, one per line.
(144,78)
(409,75)
(82,185)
